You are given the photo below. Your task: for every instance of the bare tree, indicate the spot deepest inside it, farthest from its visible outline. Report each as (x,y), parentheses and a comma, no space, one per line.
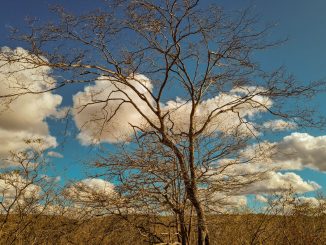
(150,183)
(27,193)
(143,53)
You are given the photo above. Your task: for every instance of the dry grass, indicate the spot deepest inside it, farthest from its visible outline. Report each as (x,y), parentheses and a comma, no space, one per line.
(224,229)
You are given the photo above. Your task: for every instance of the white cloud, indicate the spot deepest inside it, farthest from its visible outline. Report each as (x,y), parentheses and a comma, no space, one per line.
(310,201)
(274,182)
(304,150)
(55,154)
(23,117)
(257,178)
(294,152)
(260,162)
(227,200)
(279,125)
(15,141)
(12,185)
(101,116)
(266,156)
(90,190)
(252,162)
(228,122)
(230,112)
(14,190)
(102,102)
(28,195)
(286,203)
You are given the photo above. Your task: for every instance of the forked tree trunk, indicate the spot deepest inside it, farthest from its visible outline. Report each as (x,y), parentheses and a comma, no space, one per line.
(191,189)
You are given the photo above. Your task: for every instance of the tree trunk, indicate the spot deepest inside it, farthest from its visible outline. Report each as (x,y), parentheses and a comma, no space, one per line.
(202,230)
(203,236)
(183,230)
(191,189)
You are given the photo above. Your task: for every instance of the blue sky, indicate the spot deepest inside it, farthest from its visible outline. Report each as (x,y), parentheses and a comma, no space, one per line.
(304,54)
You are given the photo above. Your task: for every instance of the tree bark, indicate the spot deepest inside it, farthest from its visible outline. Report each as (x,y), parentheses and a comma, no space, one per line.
(183,230)
(203,235)
(202,230)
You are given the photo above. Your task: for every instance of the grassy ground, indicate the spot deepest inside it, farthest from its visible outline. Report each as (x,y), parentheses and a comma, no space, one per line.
(224,229)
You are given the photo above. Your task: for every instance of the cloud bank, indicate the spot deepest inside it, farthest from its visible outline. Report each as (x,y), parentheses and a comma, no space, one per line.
(23,117)
(105,111)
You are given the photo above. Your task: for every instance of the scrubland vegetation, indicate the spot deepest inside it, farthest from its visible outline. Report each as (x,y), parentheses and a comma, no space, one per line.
(224,229)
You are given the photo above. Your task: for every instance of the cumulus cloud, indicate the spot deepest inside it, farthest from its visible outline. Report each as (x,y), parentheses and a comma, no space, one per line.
(260,164)
(311,201)
(257,178)
(14,189)
(303,150)
(12,184)
(294,152)
(264,156)
(17,141)
(275,182)
(28,194)
(223,118)
(90,190)
(252,163)
(104,113)
(23,117)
